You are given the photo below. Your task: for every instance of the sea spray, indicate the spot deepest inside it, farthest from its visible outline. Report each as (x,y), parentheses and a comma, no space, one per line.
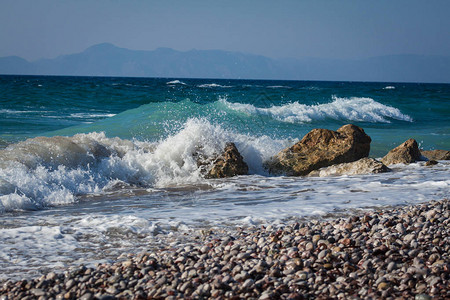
(43,171)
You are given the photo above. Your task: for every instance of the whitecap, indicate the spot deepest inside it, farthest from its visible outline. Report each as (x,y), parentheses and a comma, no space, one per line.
(278,87)
(91,115)
(12,111)
(173,82)
(213,85)
(343,109)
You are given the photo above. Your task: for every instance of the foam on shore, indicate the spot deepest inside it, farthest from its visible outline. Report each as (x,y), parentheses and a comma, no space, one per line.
(402,252)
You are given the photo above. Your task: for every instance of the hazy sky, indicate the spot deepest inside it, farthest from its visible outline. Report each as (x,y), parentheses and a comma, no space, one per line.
(36,29)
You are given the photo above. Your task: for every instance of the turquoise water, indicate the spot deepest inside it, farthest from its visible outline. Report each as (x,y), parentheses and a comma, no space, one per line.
(151,109)
(91,168)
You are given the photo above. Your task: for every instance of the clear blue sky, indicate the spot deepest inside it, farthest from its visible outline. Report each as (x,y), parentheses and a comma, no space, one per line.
(327,29)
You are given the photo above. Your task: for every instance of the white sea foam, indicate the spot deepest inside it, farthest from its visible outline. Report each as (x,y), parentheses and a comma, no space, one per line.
(278,87)
(345,109)
(389,87)
(86,234)
(12,111)
(173,82)
(213,85)
(91,115)
(43,171)
(311,88)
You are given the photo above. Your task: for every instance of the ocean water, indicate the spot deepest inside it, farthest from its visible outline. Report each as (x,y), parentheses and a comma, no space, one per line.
(91,168)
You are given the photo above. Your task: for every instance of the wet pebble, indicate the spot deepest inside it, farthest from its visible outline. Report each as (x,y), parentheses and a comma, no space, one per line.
(396,253)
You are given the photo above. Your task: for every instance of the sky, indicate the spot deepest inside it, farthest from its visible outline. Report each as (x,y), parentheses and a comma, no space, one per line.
(341,29)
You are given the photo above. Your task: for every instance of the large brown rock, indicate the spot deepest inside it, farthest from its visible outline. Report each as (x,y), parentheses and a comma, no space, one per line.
(365,165)
(406,153)
(436,154)
(321,148)
(229,164)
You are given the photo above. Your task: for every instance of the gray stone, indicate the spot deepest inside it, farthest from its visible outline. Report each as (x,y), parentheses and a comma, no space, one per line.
(364,165)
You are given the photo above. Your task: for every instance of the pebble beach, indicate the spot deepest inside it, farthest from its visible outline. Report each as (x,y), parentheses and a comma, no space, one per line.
(396,253)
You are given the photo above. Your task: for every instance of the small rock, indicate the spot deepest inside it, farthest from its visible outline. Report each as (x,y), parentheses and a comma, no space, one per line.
(127,264)
(422,297)
(383,285)
(38,292)
(51,276)
(229,164)
(322,254)
(431,163)
(69,284)
(436,154)
(406,153)
(87,296)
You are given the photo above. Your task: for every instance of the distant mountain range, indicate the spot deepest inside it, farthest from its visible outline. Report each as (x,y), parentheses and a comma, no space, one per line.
(109,60)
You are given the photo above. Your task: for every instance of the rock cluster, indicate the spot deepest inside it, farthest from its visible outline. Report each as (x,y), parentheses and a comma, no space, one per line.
(324,152)
(395,254)
(321,148)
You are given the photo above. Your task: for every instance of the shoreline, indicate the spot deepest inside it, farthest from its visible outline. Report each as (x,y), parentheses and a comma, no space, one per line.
(389,253)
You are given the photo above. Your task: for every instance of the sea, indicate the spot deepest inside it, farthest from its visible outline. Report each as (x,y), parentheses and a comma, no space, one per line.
(92,168)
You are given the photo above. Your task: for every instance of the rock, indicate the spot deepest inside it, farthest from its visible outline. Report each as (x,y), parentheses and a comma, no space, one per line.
(38,292)
(431,163)
(229,164)
(51,276)
(365,165)
(87,296)
(383,285)
(406,153)
(422,297)
(321,148)
(70,284)
(436,154)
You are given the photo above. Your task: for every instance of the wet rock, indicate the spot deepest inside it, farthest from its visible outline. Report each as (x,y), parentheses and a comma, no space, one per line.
(229,164)
(436,154)
(365,165)
(321,148)
(38,292)
(422,297)
(431,163)
(406,153)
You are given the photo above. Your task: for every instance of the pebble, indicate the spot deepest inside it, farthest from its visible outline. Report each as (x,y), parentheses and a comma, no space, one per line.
(397,253)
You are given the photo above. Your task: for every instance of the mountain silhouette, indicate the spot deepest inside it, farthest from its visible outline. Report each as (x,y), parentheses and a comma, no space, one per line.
(108,60)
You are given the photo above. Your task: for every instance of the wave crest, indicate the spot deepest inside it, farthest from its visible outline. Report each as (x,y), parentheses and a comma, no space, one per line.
(213,85)
(342,109)
(173,82)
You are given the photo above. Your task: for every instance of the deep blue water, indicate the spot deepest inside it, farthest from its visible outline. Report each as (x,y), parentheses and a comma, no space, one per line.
(151,109)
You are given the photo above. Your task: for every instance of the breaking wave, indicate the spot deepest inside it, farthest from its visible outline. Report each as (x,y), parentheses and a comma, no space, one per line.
(48,171)
(343,109)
